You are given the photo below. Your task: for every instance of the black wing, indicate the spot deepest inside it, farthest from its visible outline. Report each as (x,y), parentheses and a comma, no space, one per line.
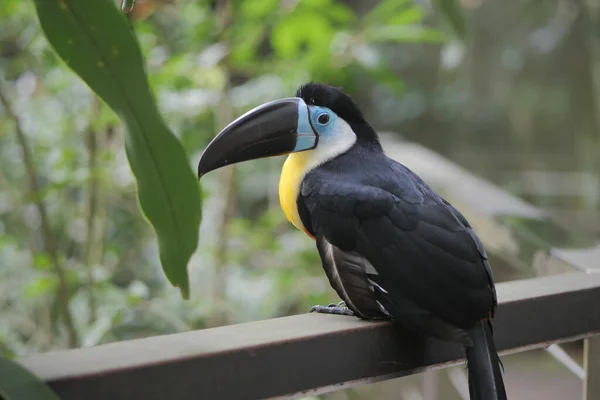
(428,260)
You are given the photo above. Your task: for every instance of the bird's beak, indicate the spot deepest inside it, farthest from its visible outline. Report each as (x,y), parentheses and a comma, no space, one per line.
(275,128)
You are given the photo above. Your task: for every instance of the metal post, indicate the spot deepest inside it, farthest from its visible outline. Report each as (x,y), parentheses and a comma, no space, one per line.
(591,364)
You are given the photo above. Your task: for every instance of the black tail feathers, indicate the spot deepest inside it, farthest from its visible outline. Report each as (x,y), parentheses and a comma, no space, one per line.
(485,376)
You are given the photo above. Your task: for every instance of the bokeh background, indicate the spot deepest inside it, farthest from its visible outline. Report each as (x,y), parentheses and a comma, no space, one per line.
(506,89)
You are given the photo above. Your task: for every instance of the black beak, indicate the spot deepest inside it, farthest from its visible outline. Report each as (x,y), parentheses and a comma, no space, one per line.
(272,129)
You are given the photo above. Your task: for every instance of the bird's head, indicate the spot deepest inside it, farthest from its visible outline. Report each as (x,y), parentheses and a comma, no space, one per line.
(320,118)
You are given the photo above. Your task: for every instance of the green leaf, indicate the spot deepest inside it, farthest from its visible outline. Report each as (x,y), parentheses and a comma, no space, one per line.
(315,4)
(450,12)
(246,40)
(384,10)
(306,31)
(41,262)
(403,33)
(340,13)
(41,286)
(411,15)
(257,8)
(94,38)
(17,383)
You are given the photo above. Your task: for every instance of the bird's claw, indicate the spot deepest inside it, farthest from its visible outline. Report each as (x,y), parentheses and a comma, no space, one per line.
(332,308)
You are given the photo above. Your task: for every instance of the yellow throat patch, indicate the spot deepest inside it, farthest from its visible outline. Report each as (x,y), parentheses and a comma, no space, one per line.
(294,170)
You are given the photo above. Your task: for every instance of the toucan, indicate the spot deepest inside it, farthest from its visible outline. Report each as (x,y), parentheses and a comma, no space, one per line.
(391,247)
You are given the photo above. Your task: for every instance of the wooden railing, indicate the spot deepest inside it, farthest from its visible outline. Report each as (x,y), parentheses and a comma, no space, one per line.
(310,353)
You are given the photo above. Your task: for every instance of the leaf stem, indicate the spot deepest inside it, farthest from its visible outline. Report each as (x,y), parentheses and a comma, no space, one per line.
(47,236)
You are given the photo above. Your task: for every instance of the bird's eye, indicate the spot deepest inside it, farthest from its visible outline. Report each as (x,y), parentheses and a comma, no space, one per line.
(323,119)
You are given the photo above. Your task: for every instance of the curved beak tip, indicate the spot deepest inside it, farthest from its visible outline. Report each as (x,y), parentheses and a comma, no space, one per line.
(202,169)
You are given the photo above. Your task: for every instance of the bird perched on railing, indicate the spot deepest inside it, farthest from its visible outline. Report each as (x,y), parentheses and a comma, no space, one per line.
(391,247)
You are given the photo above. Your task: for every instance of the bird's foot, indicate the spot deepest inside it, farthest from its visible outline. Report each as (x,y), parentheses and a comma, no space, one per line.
(339,309)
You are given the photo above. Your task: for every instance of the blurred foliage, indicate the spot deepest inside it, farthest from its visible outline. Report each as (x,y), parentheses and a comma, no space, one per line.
(515,101)
(78,264)
(451,13)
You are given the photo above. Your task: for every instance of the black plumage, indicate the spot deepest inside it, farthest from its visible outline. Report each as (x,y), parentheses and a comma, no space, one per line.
(362,201)
(392,247)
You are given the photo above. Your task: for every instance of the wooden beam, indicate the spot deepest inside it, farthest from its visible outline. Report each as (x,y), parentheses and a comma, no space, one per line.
(285,357)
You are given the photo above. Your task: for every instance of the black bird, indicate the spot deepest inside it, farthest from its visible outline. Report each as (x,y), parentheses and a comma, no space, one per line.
(391,247)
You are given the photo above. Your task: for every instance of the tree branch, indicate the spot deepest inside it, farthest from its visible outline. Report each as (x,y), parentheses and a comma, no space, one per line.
(224,115)
(47,236)
(90,253)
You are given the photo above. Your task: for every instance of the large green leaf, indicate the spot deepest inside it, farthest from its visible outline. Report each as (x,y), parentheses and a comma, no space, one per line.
(17,383)
(94,38)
